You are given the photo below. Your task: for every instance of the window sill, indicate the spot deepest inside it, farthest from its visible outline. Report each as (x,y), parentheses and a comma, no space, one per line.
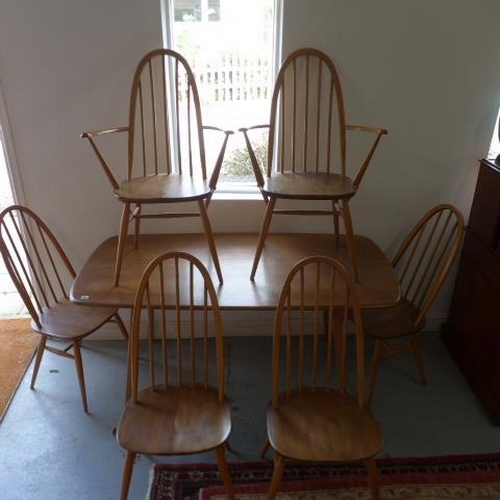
(236,191)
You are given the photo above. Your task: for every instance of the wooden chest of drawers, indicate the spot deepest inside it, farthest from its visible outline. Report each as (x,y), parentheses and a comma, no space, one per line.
(472,332)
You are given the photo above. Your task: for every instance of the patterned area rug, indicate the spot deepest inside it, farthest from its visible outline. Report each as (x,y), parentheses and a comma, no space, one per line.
(17,346)
(474,477)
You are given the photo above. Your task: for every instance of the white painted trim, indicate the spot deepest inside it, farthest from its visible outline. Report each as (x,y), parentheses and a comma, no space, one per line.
(435,321)
(235,324)
(249,324)
(167,16)
(7,141)
(277,39)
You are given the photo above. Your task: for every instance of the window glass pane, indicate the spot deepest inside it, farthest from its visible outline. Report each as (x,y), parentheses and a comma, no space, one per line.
(187,11)
(231,53)
(495,141)
(214,10)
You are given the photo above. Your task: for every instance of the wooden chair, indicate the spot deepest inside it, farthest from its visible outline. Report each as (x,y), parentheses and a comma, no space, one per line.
(306,156)
(42,274)
(166,149)
(422,263)
(178,404)
(317,412)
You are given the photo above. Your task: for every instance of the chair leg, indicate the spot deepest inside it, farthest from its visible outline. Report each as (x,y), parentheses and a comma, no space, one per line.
(224,471)
(128,384)
(264,449)
(373,478)
(151,337)
(336,330)
(137,225)
(349,234)
(122,237)
(377,355)
(38,359)
(79,371)
(335,211)
(127,474)
(263,234)
(279,466)
(415,345)
(121,326)
(210,237)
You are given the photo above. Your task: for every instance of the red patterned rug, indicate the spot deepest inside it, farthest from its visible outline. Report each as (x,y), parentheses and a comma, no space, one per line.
(473,477)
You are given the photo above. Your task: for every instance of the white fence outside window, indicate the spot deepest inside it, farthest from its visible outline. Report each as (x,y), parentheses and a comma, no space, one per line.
(233,78)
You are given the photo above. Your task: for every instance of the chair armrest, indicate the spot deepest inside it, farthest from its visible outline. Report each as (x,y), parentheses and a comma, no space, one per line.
(214,177)
(373,130)
(257,169)
(217,129)
(364,128)
(96,133)
(245,129)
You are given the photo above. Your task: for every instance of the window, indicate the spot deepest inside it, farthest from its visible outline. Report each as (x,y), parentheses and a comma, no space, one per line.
(11,304)
(6,195)
(495,141)
(196,10)
(233,49)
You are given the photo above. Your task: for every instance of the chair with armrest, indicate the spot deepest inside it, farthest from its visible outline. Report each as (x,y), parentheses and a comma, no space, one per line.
(317,412)
(166,150)
(177,404)
(422,263)
(307,147)
(43,274)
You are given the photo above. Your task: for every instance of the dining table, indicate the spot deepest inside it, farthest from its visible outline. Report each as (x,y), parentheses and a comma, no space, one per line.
(377,284)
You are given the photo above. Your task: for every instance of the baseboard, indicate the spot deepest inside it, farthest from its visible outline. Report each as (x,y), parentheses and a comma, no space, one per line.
(247,324)
(435,321)
(235,323)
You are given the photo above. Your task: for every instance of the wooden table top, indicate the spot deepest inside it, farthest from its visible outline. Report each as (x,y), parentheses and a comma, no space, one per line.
(94,284)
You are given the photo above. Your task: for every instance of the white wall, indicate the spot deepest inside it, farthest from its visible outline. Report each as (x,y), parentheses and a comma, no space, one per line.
(65,67)
(427,71)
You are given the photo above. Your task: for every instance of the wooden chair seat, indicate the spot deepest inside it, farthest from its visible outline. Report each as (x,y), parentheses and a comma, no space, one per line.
(306,185)
(398,320)
(163,188)
(66,320)
(322,426)
(175,421)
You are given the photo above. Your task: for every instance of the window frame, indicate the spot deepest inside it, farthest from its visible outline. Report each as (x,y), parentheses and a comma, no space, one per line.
(9,153)
(227,189)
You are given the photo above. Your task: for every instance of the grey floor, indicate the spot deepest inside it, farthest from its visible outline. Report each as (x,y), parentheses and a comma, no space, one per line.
(50,449)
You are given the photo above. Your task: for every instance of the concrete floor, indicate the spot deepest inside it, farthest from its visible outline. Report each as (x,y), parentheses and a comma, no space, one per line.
(51,450)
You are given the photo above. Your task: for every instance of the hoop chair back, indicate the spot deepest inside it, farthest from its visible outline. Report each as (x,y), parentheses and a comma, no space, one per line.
(424,259)
(177,301)
(304,358)
(165,124)
(35,261)
(307,125)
